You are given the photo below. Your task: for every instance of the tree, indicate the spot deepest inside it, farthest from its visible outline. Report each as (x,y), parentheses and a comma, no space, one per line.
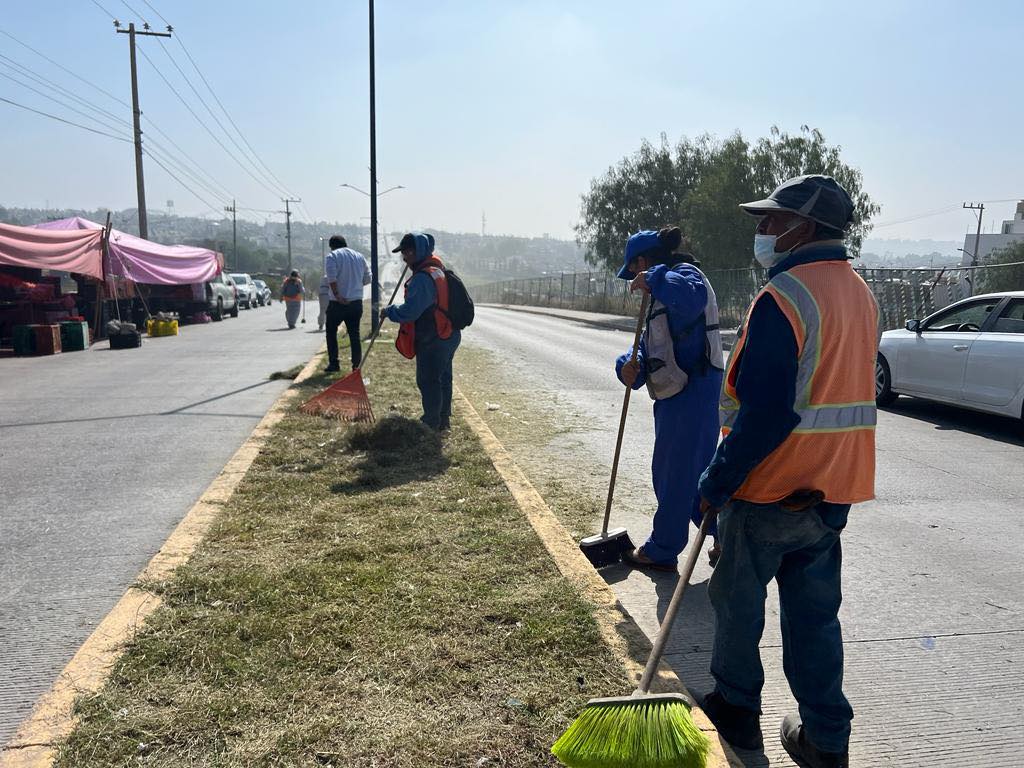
(699,186)
(1002,278)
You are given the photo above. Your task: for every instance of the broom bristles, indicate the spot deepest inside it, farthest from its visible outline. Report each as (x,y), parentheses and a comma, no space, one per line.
(636,733)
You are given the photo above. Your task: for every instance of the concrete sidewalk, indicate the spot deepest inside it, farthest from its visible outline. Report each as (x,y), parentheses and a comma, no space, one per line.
(596,319)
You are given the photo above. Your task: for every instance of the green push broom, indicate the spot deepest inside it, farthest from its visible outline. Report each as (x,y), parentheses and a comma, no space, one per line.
(643,730)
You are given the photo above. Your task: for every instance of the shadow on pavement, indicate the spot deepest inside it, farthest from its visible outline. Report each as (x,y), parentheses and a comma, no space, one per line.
(950,418)
(182,411)
(392,452)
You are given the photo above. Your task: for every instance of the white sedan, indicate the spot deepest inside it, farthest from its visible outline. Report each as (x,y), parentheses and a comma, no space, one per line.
(970,354)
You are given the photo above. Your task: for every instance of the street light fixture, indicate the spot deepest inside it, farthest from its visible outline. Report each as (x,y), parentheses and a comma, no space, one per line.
(367,194)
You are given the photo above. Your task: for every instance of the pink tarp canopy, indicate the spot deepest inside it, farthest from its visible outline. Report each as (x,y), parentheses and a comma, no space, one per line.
(78,251)
(147,262)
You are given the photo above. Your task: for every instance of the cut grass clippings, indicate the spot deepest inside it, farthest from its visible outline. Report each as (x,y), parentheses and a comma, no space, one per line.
(371,596)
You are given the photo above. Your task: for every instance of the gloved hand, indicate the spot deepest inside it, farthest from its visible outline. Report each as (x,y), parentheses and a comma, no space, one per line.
(629,373)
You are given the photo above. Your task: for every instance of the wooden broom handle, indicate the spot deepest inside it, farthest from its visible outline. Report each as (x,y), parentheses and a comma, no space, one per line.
(622,418)
(673,607)
(380,324)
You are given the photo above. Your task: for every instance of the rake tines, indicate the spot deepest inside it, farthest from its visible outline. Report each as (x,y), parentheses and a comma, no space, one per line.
(345,399)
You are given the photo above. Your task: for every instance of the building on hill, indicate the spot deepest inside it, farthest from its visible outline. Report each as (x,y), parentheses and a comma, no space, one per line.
(1012,232)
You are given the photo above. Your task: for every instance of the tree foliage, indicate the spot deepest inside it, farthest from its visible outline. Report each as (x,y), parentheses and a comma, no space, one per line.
(1002,278)
(699,184)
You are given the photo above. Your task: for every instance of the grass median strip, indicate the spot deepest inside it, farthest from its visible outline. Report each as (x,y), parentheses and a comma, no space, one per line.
(371,596)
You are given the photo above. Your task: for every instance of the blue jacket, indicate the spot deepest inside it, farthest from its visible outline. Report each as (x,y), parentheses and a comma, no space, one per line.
(681,289)
(422,293)
(765,385)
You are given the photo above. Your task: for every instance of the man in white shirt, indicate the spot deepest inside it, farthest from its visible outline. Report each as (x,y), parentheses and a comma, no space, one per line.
(347,274)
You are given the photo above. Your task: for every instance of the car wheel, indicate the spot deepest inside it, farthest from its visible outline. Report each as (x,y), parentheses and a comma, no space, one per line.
(234,309)
(883,383)
(218,313)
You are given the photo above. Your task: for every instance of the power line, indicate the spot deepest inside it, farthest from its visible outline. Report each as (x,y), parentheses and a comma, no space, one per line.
(199,197)
(62,120)
(57,101)
(25,72)
(202,123)
(65,69)
(181,165)
(270,174)
(217,119)
(108,13)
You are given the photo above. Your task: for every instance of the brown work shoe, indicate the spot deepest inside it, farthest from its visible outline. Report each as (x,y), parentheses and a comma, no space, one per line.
(638,559)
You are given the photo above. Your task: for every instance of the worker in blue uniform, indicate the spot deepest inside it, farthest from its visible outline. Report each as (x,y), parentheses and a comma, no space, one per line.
(680,361)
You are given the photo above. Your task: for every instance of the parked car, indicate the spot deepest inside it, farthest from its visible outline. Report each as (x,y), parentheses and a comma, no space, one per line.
(969,354)
(215,297)
(264,293)
(247,292)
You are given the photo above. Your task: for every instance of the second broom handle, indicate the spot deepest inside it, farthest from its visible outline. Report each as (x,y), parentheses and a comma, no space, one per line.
(673,607)
(622,419)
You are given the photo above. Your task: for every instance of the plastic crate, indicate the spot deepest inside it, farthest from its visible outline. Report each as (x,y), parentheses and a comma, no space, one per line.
(74,337)
(47,339)
(24,339)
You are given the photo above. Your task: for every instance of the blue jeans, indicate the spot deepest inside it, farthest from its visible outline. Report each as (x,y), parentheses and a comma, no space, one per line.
(434,379)
(802,552)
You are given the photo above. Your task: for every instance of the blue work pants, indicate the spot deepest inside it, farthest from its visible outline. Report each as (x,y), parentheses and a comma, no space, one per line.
(434,379)
(686,430)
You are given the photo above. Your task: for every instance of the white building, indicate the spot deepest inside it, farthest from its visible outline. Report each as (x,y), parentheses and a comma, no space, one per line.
(1012,232)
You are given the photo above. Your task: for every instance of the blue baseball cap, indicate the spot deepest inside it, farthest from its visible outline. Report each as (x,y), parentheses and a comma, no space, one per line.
(821,199)
(638,245)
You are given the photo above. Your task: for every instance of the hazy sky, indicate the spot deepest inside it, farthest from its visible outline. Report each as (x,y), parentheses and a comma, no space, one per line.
(510,108)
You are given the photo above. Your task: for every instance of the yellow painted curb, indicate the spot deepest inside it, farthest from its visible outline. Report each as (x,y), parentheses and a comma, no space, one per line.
(52,718)
(617,628)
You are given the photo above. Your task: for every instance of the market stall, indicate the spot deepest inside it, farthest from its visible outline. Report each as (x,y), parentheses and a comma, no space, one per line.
(32,263)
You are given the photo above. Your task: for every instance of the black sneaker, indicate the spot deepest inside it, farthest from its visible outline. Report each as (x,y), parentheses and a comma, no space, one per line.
(739,726)
(332,368)
(803,752)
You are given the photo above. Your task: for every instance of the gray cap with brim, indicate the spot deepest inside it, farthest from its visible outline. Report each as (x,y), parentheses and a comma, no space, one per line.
(818,198)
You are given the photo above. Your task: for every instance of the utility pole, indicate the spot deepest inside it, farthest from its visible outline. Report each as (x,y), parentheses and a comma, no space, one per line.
(233,209)
(137,115)
(980,208)
(288,225)
(374,261)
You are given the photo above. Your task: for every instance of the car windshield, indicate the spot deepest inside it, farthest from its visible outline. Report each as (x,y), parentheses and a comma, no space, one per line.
(240,278)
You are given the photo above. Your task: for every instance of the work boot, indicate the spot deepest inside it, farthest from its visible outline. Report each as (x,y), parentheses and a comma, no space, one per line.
(804,753)
(739,726)
(332,368)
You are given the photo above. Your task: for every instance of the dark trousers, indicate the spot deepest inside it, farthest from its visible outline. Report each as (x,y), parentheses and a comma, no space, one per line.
(350,314)
(434,379)
(802,552)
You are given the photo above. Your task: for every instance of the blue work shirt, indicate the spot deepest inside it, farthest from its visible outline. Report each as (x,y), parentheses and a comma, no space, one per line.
(420,296)
(765,386)
(681,289)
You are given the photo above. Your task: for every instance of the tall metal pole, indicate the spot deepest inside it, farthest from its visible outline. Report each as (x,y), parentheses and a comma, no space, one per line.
(137,121)
(980,208)
(375,283)
(288,231)
(234,232)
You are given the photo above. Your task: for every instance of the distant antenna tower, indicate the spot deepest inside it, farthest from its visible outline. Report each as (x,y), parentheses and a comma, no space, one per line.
(483,223)
(170,207)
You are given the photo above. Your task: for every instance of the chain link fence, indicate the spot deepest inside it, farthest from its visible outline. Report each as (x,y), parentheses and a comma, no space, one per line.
(902,293)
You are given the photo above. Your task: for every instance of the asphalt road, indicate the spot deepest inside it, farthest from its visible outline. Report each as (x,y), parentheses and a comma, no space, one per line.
(933,615)
(101,454)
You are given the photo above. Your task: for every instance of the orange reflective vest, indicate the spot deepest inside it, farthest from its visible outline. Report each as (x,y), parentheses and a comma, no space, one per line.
(834,317)
(405,343)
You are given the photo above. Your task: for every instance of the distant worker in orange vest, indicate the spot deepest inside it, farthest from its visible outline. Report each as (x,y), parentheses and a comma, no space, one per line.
(293,294)
(798,419)
(426,332)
